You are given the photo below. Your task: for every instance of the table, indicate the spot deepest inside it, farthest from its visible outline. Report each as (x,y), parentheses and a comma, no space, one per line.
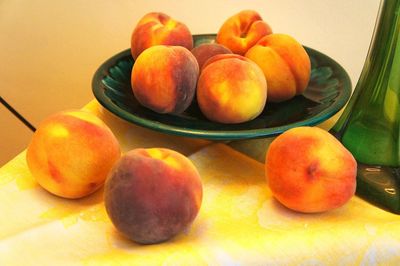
(239,222)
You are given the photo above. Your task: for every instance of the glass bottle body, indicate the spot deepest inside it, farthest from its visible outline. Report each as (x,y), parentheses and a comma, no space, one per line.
(369,126)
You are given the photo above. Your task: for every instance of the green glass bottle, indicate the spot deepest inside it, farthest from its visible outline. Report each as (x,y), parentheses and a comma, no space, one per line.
(369,125)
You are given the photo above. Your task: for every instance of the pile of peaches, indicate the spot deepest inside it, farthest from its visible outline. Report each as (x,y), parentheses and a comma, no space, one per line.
(153,194)
(232,78)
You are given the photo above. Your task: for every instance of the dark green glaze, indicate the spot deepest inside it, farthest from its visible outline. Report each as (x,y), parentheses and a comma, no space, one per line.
(328,91)
(369,126)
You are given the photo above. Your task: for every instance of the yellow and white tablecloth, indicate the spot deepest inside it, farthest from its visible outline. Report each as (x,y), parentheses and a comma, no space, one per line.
(239,222)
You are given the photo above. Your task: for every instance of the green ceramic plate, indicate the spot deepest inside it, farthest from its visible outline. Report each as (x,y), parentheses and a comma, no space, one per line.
(328,91)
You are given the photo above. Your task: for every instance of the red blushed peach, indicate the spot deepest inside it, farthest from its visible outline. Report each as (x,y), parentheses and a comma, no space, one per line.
(285,63)
(242,30)
(205,51)
(71,153)
(309,170)
(231,89)
(157,28)
(164,78)
(151,195)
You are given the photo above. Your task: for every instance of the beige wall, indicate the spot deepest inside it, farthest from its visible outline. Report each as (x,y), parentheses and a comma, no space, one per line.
(49,50)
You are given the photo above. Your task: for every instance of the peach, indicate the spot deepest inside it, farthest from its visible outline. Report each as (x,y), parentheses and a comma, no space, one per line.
(157,28)
(285,63)
(164,78)
(71,153)
(205,51)
(231,89)
(242,30)
(151,195)
(309,170)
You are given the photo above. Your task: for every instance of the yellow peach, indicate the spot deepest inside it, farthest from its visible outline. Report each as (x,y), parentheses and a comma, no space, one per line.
(242,30)
(285,63)
(164,78)
(151,195)
(157,28)
(309,170)
(205,51)
(71,153)
(231,89)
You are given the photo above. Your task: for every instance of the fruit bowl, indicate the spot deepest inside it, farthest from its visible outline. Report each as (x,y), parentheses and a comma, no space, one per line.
(328,91)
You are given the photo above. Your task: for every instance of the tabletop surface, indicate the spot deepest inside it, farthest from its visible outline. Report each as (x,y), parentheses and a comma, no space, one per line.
(239,222)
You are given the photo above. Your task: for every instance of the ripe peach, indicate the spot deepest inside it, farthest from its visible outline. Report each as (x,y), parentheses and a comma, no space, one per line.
(242,30)
(231,89)
(285,63)
(152,194)
(309,170)
(71,153)
(164,78)
(157,28)
(205,51)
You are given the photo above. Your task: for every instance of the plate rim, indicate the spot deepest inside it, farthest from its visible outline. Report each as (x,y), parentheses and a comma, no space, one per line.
(98,91)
